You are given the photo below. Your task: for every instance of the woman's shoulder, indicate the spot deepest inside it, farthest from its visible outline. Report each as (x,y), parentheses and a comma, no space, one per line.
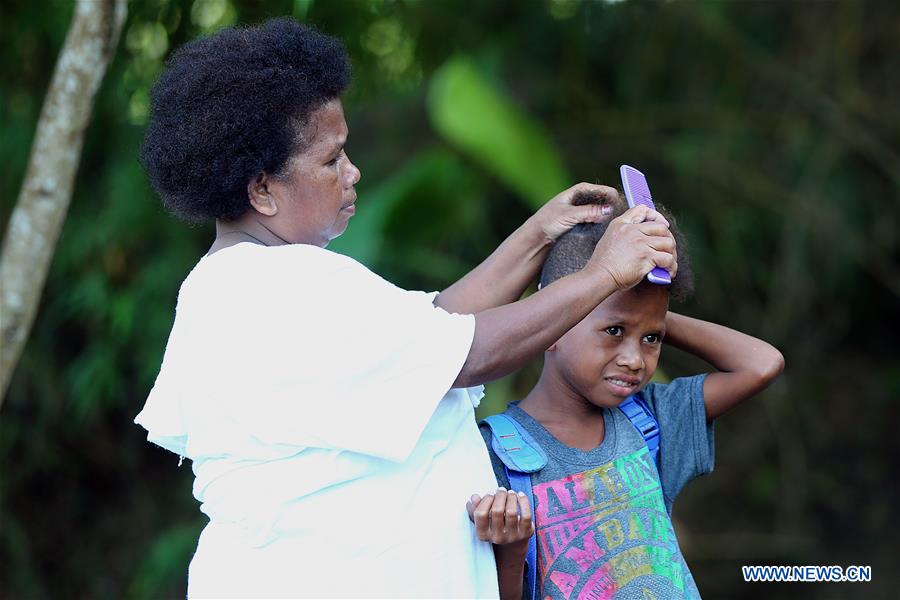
(288,269)
(256,261)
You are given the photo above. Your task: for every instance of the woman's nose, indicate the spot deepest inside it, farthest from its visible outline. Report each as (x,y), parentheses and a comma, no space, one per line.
(353,173)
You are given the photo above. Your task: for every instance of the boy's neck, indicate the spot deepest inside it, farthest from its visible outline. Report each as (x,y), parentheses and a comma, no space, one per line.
(569,416)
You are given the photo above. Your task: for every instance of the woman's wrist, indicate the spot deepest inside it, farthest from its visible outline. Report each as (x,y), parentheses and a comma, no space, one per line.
(600,280)
(534,235)
(511,554)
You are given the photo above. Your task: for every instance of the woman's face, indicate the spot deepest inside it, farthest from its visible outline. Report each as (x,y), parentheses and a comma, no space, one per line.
(315,196)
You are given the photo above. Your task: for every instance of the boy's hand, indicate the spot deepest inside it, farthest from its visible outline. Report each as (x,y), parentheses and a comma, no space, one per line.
(502,518)
(633,244)
(565,210)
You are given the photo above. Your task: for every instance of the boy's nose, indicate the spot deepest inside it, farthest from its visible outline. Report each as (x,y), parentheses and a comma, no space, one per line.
(630,359)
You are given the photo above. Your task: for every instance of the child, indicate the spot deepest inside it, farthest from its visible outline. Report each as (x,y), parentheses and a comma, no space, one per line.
(602,502)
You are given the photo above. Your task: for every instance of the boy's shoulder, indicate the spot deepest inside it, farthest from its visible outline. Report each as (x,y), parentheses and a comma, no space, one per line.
(681,389)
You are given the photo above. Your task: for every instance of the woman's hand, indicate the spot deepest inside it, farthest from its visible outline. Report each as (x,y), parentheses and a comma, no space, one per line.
(503,518)
(561,213)
(633,245)
(508,271)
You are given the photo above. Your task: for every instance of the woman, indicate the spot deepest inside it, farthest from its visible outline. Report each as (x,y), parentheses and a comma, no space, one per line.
(326,412)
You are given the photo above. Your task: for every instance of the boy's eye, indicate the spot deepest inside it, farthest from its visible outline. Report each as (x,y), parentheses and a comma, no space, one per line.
(652,338)
(615,330)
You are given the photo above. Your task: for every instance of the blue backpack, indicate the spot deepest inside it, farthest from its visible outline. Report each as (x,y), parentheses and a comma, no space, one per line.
(522,455)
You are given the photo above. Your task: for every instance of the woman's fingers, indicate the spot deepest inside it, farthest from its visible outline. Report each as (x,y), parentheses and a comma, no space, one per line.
(632,246)
(598,194)
(471,504)
(498,514)
(666,261)
(482,518)
(511,521)
(661,243)
(588,213)
(526,522)
(502,517)
(656,217)
(641,214)
(581,203)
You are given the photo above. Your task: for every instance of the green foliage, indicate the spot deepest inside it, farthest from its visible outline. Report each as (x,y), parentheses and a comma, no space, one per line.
(164,562)
(770,129)
(474,115)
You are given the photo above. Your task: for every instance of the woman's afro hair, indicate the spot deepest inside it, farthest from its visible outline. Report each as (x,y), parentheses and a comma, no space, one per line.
(572,251)
(232,105)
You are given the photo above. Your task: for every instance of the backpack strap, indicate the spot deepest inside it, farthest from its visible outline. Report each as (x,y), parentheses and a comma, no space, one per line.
(521,456)
(637,411)
(514,446)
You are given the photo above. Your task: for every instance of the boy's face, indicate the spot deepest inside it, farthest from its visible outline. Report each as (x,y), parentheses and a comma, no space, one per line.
(613,352)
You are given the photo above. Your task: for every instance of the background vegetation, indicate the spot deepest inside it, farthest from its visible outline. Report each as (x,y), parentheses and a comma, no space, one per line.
(771,129)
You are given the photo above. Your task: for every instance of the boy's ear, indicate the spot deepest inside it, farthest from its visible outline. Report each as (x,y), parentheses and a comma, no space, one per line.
(260,195)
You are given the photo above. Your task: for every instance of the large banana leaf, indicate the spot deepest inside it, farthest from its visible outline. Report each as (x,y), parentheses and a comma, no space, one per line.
(480,119)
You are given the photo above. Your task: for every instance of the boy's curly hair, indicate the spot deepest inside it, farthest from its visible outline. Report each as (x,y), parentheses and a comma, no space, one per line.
(573,249)
(231,106)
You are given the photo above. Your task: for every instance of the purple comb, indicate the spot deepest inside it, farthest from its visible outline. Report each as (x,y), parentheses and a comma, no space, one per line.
(637,192)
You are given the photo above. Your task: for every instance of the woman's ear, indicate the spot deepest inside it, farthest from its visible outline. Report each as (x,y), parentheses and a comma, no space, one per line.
(260,195)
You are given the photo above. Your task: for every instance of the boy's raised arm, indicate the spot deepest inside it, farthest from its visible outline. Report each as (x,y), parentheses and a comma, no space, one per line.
(745,364)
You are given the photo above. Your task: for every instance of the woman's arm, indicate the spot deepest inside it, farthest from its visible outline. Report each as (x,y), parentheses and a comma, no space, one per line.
(508,336)
(746,364)
(507,272)
(510,569)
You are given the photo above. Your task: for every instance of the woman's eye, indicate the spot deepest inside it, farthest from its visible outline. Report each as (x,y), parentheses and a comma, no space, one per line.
(653,338)
(614,330)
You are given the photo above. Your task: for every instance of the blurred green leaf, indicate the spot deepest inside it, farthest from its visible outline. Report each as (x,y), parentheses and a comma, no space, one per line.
(479,118)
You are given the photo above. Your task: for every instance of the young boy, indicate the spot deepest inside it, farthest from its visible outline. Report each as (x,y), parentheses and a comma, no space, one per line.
(602,502)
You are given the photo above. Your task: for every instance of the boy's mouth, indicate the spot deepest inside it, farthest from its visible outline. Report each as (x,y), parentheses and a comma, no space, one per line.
(622,385)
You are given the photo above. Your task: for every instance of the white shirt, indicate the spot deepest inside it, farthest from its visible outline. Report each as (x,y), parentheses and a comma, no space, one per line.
(329,451)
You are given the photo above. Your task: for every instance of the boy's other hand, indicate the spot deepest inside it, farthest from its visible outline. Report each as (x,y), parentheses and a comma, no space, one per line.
(581,203)
(635,243)
(502,518)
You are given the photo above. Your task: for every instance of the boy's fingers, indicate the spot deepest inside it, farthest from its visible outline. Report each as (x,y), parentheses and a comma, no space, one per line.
(482,518)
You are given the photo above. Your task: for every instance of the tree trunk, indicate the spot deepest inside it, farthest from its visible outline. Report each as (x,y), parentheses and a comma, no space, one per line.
(40,211)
